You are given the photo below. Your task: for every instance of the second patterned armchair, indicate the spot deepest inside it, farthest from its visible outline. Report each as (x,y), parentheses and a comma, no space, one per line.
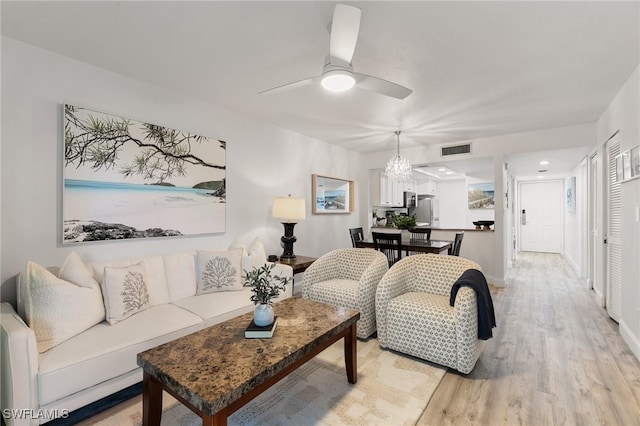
(348,278)
(415,316)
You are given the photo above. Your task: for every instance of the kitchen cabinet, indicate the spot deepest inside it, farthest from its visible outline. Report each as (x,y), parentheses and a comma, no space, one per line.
(426,187)
(410,185)
(387,192)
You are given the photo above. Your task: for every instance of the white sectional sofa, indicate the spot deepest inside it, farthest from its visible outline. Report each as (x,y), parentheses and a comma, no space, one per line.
(102,359)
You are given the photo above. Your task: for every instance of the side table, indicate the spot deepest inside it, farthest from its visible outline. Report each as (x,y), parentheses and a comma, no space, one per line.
(299,263)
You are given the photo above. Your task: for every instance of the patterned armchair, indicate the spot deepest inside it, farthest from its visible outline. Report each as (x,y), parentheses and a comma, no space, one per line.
(349,278)
(414,316)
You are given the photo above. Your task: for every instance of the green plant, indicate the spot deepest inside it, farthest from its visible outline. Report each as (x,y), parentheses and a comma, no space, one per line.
(404,222)
(264,285)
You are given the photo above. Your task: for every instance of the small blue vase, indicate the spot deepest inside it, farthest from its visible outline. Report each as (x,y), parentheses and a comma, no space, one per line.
(263,315)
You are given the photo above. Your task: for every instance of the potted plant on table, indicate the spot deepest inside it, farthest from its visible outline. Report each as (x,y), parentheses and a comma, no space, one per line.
(264,287)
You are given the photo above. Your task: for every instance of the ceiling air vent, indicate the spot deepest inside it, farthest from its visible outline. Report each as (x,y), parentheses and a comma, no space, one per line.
(456,149)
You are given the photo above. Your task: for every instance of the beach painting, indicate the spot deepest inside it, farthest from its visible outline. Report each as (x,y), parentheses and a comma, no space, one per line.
(125,179)
(331,195)
(481,196)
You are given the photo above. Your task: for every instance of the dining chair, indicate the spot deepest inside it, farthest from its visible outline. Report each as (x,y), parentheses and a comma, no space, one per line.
(457,242)
(388,243)
(357,234)
(422,234)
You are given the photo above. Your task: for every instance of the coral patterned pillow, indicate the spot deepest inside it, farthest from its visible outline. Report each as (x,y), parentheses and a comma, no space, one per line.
(125,292)
(219,271)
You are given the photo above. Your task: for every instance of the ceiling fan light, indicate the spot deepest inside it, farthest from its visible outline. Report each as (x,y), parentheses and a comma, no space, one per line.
(338,80)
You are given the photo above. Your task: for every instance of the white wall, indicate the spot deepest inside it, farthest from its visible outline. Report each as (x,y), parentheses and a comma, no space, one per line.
(624,114)
(453,204)
(575,224)
(262,162)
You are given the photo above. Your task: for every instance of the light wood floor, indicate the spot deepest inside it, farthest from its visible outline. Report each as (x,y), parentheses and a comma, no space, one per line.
(555,359)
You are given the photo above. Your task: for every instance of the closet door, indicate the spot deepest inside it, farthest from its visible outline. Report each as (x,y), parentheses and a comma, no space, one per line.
(613,237)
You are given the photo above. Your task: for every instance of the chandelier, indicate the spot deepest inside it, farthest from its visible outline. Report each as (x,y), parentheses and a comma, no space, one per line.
(398,167)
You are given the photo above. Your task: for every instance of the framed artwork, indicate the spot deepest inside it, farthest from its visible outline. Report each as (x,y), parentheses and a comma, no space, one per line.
(331,195)
(571,194)
(628,165)
(125,179)
(481,196)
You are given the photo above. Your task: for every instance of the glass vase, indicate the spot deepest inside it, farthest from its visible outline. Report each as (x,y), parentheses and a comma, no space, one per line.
(263,315)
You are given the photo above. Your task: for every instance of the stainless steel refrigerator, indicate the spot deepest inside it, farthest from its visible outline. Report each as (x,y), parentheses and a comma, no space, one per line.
(428,211)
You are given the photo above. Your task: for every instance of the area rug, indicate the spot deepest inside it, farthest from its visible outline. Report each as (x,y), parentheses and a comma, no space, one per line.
(392,389)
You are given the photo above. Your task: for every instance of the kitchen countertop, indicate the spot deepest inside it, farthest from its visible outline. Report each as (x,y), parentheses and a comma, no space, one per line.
(439,229)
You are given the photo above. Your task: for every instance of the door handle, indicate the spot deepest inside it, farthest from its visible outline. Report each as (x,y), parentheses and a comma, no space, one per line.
(523,219)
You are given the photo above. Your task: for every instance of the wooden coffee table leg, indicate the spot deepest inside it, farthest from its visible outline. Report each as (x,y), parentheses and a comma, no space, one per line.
(151,400)
(351,354)
(218,419)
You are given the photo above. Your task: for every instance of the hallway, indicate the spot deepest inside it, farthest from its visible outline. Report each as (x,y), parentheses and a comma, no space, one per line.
(556,358)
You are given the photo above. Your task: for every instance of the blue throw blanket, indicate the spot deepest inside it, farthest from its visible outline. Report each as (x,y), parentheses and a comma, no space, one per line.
(486,316)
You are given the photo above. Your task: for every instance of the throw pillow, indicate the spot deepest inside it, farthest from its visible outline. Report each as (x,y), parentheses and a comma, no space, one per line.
(125,291)
(219,271)
(253,257)
(57,309)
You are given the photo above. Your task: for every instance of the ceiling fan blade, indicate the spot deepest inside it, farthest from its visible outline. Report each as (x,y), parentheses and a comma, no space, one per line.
(289,86)
(344,32)
(381,86)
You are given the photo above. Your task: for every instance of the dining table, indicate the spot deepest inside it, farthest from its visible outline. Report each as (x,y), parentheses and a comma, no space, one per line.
(414,245)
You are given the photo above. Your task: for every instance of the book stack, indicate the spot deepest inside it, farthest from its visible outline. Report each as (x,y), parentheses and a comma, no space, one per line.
(256,332)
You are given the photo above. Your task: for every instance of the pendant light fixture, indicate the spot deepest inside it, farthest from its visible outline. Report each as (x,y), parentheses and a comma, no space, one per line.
(398,167)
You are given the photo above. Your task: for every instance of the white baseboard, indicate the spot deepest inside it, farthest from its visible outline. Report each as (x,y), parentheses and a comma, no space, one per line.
(630,339)
(573,264)
(599,297)
(496,282)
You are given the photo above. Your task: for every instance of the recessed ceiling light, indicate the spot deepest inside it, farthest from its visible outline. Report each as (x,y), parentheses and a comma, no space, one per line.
(448,173)
(544,163)
(540,177)
(442,169)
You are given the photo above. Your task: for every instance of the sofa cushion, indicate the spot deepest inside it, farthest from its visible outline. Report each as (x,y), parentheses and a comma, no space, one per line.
(180,269)
(125,291)
(217,307)
(221,306)
(219,271)
(337,292)
(423,325)
(253,257)
(57,309)
(155,267)
(107,351)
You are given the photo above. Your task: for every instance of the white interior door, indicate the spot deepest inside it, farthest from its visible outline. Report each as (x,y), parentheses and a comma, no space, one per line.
(613,237)
(541,207)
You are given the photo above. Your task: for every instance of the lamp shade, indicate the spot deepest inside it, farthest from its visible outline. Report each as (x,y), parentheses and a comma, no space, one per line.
(288,209)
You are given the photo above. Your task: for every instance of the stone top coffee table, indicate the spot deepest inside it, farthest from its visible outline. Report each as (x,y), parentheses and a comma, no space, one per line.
(216,371)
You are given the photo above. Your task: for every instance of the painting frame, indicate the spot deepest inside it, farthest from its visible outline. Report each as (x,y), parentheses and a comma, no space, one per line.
(481,196)
(125,179)
(628,165)
(571,194)
(332,195)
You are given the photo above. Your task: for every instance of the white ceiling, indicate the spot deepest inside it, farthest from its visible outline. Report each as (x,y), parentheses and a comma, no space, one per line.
(477,68)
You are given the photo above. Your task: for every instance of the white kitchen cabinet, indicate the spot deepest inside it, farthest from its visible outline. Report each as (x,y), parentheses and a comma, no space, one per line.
(426,187)
(390,192)
(410,185)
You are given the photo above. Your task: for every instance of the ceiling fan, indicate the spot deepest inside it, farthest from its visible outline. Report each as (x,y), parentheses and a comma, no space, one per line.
(337,73)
